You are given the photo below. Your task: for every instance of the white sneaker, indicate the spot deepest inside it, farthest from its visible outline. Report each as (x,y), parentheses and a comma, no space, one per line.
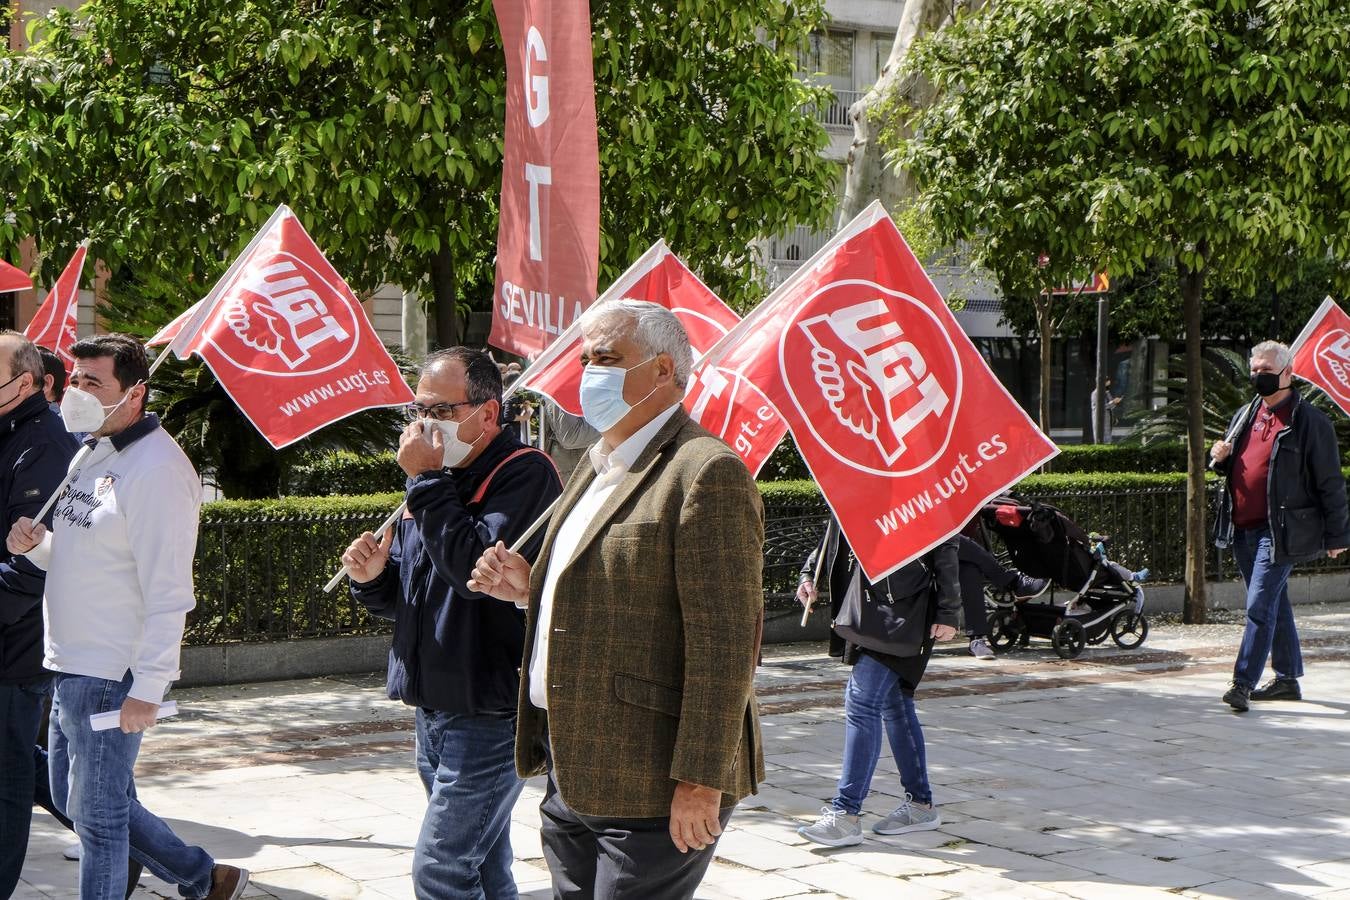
(73,852)
(834,829)
(908,817)
(980,649)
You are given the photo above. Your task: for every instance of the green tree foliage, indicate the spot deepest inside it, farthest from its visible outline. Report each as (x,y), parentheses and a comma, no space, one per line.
(1213,135)
(167,133)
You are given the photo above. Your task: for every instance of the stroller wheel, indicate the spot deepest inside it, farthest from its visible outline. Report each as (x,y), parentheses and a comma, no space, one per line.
(1129,629)
(1068,638)
(1005,629)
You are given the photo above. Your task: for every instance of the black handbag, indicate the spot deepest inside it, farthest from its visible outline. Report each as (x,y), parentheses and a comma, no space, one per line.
(874,620)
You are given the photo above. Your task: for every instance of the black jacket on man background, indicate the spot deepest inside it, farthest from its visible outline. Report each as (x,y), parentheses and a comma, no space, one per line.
(35,451)
(1305,487)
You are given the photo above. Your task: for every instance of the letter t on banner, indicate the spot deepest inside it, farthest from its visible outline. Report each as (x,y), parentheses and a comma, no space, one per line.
(548,238)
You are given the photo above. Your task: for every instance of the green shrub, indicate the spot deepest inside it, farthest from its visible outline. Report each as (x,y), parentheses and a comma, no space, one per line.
(1160,456)
(345,473)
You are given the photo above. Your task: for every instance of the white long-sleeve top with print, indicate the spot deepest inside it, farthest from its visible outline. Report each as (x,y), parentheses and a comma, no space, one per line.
(119,562)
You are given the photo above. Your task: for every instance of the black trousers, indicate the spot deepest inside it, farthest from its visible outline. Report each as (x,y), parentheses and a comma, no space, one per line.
(20,717)
(978,565)
(617,859)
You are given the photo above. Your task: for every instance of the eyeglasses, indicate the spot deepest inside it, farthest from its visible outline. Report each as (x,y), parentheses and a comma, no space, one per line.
(443,412)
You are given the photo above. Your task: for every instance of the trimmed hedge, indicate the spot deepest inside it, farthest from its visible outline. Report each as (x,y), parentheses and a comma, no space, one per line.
(350,474)
(1157,457)
(346,473)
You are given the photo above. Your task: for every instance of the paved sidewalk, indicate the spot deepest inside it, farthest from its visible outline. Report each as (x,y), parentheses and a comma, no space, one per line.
(1119,774)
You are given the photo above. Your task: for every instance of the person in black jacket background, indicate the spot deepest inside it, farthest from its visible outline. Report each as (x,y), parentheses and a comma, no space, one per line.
(35,450)
(1283,503)
(456,653)
(882,685)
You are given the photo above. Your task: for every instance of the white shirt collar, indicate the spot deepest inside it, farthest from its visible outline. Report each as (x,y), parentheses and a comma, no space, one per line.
(622,457)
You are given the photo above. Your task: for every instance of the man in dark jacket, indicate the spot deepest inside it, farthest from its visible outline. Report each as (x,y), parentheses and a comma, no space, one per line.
(456,653)
(35,450)
(1283,503)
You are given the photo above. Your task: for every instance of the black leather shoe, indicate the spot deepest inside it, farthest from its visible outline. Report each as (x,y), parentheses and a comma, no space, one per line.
(1278,689)
(1237,697)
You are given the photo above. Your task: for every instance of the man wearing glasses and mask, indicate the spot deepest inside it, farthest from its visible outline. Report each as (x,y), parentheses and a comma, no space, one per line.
(456,653)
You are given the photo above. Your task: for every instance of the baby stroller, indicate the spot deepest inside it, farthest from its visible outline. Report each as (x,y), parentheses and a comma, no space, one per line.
(1091,597)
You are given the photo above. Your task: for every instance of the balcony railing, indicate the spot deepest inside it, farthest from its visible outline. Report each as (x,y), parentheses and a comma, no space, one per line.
(834,115)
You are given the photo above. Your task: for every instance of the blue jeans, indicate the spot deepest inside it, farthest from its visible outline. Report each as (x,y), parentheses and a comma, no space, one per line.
(20,718)
(1270,628)
(468,767)
(874,696)
(91,773)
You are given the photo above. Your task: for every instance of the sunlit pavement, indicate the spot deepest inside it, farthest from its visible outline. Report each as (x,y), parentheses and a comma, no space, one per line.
(1117,774)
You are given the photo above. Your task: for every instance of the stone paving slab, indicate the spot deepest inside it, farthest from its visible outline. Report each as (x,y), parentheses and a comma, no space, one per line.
(1118,774)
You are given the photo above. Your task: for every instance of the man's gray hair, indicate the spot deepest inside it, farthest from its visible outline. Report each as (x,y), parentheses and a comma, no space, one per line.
(25,358)
(1284,357)
(655,330)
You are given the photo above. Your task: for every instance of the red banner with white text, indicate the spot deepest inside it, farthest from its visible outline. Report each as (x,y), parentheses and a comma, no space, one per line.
(1322,353)
(288,340)
(903,425)
(54,324)
(721,402)
(548,238)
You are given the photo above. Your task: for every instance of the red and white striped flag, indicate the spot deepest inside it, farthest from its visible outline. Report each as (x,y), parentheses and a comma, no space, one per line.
(54,324)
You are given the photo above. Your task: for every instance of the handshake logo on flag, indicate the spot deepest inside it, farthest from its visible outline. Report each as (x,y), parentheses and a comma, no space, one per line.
(277,311)
(880,386)
(1333,359)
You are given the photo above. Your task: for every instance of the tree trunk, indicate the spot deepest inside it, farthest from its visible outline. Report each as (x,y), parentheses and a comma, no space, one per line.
(1193,611)
(868,177)
(444,294)
(414,326)
(1046,327)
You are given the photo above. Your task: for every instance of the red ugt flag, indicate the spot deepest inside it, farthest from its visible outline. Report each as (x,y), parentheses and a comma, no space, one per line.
(13,278)
(723,403)
(288,340)
(54,323)
(1322,353)
(904,427)
(548,238)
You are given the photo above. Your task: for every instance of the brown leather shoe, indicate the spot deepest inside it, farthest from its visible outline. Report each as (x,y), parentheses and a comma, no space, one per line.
(227,883)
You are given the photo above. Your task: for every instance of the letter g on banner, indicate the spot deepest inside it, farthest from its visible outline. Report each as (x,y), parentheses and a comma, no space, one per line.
(536,86)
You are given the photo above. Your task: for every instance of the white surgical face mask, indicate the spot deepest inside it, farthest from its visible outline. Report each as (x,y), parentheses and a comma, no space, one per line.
(602,403)
(455,449)
(82,411)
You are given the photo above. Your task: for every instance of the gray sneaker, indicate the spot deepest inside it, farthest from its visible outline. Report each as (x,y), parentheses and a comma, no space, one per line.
(908,817)
(834,829)
(980,649)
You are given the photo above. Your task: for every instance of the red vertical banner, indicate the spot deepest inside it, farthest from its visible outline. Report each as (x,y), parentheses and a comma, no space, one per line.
(548,239)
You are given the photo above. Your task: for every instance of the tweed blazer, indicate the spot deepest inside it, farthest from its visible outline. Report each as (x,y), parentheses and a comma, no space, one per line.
(654,634)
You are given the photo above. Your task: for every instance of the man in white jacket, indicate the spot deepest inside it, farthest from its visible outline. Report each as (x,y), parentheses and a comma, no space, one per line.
(119,586)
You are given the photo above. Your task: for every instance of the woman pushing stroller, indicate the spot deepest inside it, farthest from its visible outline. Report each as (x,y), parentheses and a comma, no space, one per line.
(886,631)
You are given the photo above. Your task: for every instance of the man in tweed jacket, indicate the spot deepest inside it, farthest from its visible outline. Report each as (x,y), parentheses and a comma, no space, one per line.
(645,606)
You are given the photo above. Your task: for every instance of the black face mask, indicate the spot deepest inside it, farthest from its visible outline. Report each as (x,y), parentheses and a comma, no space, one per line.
(1266,383)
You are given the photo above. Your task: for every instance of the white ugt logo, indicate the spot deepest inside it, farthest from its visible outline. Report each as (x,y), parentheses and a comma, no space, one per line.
(283,316)
(883,381)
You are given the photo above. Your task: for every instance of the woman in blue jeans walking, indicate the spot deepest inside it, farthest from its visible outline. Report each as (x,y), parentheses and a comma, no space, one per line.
(879,697)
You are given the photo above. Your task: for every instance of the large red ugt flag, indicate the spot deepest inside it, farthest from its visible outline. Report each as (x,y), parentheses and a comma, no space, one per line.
(548,237)
(54,323)
(288,340)
(725,404)
(1322,353)
(904,427)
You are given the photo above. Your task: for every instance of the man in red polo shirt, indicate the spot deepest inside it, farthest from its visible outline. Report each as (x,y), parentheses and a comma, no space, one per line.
(1283,503)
